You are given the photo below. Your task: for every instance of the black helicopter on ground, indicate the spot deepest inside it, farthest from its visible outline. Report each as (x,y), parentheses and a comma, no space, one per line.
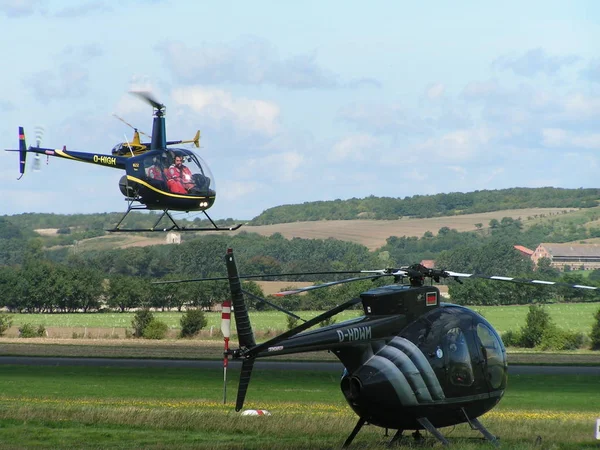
(161,178)
(411,361)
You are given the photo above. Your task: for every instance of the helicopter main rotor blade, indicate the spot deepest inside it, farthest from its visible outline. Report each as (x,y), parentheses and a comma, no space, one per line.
(147,97)
(131,126)
(254,351)
(273,305)
(269,275)
(522,280)
(331,283)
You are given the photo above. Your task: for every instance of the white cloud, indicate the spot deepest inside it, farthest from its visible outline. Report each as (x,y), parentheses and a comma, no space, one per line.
(534,61)
(435,91)
(248,61)
(457,145)
(19,8)
(216,105)
(553,137)
(235,190)
(355,148)
(556,137)
(283,167)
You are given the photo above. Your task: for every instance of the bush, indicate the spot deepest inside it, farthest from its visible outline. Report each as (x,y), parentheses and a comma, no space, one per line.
(5,323)
(156,329)
(140,321)
(327,322)
(557,339)
(537,323)
(292,322)
(27,330)
(192,322)
(595,334)
(512,338)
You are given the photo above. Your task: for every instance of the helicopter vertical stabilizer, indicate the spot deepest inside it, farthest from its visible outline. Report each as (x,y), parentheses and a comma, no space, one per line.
(243,326)
(242,320)
(22,151)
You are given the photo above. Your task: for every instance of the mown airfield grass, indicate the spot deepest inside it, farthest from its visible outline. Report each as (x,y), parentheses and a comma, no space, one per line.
(155,408)
(570,316)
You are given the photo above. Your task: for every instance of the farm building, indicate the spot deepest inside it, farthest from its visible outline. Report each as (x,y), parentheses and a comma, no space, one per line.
(576,256)
(527,252)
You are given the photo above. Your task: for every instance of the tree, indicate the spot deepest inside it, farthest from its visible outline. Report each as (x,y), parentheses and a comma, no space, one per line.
(125,293)
(141,320)
(595,334)
(537,323)
(192,322)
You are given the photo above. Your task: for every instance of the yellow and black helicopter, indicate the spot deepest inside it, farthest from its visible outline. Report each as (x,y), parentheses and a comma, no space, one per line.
(157,178)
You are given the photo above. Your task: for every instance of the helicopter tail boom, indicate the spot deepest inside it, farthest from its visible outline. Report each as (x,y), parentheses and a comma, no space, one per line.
(22,152)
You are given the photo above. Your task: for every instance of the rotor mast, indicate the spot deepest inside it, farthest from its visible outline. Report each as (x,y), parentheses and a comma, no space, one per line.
(159,129)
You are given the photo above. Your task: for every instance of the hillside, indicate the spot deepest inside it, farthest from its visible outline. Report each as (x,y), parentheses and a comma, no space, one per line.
(370,233)
(422,206)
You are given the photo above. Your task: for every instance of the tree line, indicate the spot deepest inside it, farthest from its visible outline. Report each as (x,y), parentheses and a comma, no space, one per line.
(420,206)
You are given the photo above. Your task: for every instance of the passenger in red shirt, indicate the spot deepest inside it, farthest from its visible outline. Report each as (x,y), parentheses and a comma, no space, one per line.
(179,177)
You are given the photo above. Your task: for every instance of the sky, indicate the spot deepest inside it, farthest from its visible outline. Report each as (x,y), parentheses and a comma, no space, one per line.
(304,101)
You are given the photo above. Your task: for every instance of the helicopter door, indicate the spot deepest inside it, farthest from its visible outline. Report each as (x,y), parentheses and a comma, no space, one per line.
(494,356)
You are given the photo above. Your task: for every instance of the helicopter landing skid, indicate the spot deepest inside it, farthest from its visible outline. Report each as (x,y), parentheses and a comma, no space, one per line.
(477,425)
(357,427)
(425,423)
(175,226)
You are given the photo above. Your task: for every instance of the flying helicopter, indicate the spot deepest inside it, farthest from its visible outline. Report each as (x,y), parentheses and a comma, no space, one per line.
(160,178)
(411,362)
(136,146)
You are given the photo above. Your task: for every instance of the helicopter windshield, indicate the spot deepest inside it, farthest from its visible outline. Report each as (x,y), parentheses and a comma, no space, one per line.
(459,358)
(180,172)
(494,353)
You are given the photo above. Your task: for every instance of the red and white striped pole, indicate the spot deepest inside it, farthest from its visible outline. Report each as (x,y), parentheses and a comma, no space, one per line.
(226,330)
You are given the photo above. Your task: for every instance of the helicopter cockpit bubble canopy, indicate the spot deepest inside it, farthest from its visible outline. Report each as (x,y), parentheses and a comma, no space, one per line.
(179,171)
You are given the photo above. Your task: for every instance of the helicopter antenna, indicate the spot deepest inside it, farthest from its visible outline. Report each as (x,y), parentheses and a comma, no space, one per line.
(130,149)
(226,330)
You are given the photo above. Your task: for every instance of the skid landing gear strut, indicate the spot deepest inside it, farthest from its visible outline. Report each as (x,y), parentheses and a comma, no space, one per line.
(172,226)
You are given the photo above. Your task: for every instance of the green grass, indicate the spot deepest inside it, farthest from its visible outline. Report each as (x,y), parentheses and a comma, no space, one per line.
(109,407)
(571,316)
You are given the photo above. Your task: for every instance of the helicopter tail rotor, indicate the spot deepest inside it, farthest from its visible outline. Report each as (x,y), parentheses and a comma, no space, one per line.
(39,134)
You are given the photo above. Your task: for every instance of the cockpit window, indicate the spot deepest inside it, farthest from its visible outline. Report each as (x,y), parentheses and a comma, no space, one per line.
(493,353)
(458,356)
(179,173)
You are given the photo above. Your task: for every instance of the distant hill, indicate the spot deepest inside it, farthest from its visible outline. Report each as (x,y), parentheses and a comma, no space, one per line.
(423,206)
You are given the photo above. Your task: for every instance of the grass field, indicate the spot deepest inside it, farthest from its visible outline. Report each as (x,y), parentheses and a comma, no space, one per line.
(157,408)
(571,316)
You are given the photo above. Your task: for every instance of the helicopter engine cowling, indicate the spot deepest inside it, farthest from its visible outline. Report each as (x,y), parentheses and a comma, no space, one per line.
(398,375)
(128,188)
